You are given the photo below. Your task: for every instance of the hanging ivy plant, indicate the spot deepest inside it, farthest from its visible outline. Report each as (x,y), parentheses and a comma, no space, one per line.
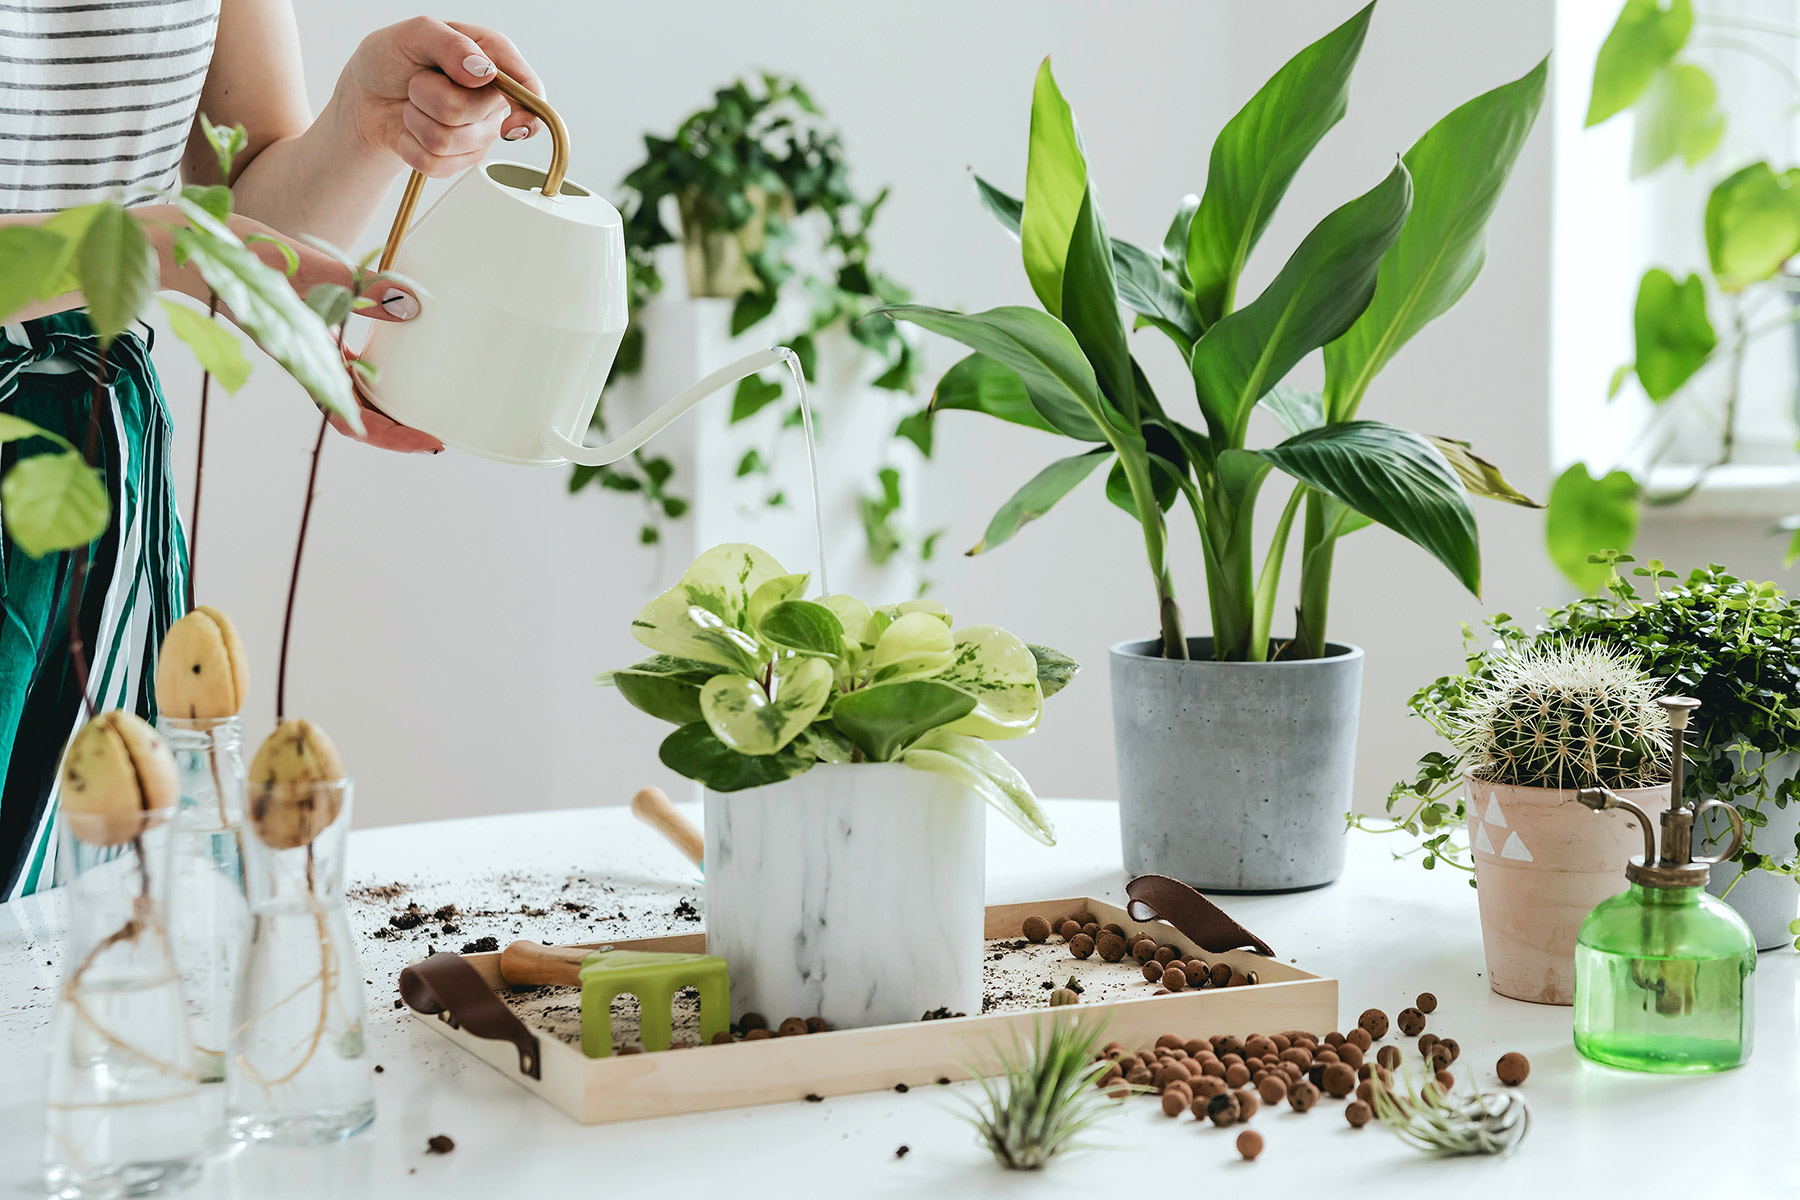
(742,175)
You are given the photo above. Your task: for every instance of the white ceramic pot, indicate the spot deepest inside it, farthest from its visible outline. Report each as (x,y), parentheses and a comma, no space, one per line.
(854,893)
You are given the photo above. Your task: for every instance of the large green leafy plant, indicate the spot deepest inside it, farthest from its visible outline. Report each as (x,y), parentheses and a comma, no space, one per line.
(1360,285)
(1730,643)
(742,175)
(764,684)
(1751,228)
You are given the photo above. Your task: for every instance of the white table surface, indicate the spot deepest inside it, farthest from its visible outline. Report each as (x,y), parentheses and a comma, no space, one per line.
(1387,931)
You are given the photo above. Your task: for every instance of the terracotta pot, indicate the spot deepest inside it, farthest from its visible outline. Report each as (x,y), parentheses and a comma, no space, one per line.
(1542,862)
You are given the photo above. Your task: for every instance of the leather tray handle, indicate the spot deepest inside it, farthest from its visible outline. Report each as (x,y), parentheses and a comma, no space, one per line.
(1158,897)
(447,987)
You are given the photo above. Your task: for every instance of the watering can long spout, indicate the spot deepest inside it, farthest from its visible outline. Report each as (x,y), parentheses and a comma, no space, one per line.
(662,418)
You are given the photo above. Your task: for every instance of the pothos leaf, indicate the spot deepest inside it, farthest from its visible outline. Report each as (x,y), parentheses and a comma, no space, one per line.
(53,502)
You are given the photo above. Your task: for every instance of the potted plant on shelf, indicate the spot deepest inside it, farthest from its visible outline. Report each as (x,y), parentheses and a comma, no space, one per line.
(1732,644)
(1236,750)
(845,754)
(755,191)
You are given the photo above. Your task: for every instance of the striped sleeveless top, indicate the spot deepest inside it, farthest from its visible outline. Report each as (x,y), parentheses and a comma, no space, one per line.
(97,97)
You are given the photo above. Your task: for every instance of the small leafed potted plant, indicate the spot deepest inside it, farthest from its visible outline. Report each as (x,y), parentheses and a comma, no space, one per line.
(845,755)
(1236,751)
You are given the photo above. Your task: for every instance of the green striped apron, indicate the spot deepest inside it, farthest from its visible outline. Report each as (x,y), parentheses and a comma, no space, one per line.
(136,582)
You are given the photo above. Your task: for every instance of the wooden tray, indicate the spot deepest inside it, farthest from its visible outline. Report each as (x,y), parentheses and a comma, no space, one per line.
(840,1062)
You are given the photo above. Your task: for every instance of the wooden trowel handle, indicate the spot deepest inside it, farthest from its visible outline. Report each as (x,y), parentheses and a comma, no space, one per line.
(526,963)
(652,807)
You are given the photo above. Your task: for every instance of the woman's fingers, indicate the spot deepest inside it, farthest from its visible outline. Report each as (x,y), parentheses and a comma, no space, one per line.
(503,54)
(448,103)
(438,150)
(380,430)
(390,301)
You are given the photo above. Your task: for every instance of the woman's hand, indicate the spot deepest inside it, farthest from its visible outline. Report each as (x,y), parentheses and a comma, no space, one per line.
(419,90)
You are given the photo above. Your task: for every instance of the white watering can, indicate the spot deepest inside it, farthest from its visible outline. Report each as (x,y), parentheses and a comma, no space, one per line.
(526,280)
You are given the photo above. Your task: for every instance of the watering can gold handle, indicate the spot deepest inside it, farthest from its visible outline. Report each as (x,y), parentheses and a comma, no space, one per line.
(532,103)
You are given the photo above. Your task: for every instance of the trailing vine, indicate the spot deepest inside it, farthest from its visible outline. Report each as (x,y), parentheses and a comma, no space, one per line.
(747,177)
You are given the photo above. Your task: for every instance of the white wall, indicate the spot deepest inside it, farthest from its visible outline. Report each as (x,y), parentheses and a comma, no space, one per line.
(453,611)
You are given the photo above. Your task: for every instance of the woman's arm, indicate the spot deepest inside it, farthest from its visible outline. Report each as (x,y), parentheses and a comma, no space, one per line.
(412,95)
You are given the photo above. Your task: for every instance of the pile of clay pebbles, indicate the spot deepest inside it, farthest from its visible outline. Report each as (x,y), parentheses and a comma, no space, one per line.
(1163,964)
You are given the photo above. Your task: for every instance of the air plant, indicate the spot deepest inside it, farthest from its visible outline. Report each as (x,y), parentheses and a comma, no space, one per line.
(1430,1119)
(1038,1098)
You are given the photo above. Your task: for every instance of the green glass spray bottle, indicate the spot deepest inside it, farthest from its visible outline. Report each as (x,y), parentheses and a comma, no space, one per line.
(1663,971)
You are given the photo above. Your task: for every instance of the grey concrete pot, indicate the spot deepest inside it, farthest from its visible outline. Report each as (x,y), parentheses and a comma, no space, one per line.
(1235,776)
(1766,901)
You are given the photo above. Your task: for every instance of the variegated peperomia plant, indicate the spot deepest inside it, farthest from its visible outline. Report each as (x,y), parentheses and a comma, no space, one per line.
(763,684)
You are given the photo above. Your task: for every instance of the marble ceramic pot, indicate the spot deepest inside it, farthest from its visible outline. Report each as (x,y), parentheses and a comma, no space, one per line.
(854,893)
(1543,860)
(1235,776)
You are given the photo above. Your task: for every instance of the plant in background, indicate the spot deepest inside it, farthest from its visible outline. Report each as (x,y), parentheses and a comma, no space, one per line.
(1360,285)
(1751,228)
(1039,1098)
(764,684)
(741,174)
(1732,644)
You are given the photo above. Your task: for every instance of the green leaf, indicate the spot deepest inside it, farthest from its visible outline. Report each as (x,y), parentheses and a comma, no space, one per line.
(754,393)
(770,593)
(915,645)
(1752,225)
(117,269)
(693,751)
(1480,476)
(1054,669)
(1256,156)
(751,721)
(1057,376)
(884,719)
(214,345)
(705,616)
(979,384)
(1007,210)
(1322,289)
(751,464)
(1001,673)
(1619,376)
(803,627)
(1146,288)
(665,697)
(227,143)
(1458,169)
(216,200)
(1055,184)
(332,301)
(54,502)
(1394,477)
(1646,35)
(1090,306)
(977,766)
(854,616)
(917,427)
(71,224)
(1678,115)
(1673,336)
(17,429)
(31,266)
(1039,496)
(265,306)
(1587,516)
(1175,241)
(290,258)
(1297,410)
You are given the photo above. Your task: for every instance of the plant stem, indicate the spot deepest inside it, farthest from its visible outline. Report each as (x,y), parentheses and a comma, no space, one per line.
(79,569)
(1318,549)
(212,312)
(1143,496)
(287,619)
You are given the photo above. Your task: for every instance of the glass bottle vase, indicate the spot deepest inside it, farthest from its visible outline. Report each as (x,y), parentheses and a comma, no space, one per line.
(1664,982)
(299,1070)
(209,913)
(124,1112)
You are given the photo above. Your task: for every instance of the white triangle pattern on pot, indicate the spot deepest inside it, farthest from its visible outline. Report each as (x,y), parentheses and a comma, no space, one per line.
(1481,839)
(1495,817)
(1515,848)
